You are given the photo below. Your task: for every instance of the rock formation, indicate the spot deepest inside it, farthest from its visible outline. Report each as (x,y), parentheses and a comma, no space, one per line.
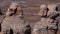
(13,20)
(46,25)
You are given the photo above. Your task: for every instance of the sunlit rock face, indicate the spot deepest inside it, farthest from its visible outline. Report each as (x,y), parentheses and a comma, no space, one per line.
(53,10)
(46,25)
(15,22)
(34,3)
(43,10)
(13,7)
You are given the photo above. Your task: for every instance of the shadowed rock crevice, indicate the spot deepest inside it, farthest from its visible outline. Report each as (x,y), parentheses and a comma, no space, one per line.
(28,30)
(1,12)
(11,31)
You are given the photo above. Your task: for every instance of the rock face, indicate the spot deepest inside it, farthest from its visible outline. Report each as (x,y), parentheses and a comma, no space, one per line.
(53,10)
(43,10)
(1,18)
(13,20)
(46,25)
(32,7)
(12,8)
(16,24)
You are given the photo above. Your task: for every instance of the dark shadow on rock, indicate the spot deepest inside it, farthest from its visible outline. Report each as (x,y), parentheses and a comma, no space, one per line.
(28,30)
(11,31)
(1,12)
(0,27)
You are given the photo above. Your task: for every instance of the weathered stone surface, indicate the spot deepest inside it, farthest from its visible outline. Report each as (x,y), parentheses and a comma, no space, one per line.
(43,10)
(4,4)
(14,21)
(16,24)
(46,25)
(53,11)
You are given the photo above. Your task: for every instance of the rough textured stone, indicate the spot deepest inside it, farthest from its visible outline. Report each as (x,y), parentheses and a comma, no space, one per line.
(45,26)
(4,4)
(15,21)
(53,10)
(43,10)
(16,24)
